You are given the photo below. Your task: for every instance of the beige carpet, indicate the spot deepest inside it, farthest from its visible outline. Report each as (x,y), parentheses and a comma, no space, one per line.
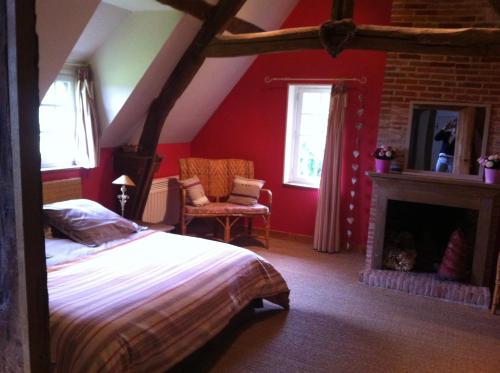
(337,324)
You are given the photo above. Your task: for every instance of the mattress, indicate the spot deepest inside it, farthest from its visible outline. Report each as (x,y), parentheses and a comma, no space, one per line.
(143,304)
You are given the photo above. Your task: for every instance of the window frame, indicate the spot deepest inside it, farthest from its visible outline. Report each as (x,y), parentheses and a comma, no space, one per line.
(293,127)
(66,75)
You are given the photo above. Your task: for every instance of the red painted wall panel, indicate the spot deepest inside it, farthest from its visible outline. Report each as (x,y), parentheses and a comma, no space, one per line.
(251,122)
(171,154)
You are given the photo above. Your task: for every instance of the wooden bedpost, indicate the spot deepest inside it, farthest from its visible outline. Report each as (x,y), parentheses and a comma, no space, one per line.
(24,331)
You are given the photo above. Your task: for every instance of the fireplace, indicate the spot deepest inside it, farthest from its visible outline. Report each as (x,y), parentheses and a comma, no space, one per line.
(423,230)
(424,210)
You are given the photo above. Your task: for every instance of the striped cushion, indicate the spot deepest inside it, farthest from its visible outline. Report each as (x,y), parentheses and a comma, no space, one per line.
(245,191)
(195,192)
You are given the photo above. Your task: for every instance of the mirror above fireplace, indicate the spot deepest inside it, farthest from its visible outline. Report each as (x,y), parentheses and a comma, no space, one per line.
(447,138)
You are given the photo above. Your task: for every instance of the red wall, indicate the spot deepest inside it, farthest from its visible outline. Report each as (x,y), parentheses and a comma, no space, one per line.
(251,122)
(171,154)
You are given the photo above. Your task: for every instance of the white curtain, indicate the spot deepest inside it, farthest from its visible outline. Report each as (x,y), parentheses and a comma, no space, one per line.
(87,126)
(327,228)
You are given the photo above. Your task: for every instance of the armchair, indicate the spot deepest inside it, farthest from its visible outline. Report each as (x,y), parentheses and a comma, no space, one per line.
(216,176)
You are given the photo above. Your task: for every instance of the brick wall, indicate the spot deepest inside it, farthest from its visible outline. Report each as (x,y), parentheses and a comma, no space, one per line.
(423,77)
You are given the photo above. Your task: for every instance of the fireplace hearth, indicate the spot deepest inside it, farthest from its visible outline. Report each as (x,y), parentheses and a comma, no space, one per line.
(424,210)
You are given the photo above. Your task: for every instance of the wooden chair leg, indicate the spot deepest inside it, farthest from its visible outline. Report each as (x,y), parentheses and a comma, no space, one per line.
(267,229)
(227,230)
(183,226)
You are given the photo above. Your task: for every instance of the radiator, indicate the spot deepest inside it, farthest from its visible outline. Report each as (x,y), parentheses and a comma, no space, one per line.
(162,205)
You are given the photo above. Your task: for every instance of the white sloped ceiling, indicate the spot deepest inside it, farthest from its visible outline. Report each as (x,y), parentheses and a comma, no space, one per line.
(211,85)
(132,47)
(59,24)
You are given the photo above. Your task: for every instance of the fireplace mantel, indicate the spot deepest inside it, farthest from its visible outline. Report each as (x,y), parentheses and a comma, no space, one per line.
(443,191)
(434,180)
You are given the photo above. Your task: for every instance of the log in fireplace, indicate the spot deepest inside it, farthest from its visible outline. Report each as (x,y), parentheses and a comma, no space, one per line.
(481,200)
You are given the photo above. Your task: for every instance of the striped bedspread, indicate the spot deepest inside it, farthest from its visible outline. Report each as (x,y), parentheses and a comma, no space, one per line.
(144,305)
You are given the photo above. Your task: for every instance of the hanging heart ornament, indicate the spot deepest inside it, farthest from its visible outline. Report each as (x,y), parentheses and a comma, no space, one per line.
(354,180)
(353,193)
(349,232)
(355,166)
(355,153)
(350,220)
(351,206)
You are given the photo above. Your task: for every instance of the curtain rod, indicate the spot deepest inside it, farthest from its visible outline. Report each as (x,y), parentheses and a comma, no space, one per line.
(361,80)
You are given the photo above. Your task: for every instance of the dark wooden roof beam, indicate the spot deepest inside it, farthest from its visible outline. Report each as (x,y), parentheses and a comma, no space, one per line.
(141,165)
(459,41)
(342,9)
(201,10)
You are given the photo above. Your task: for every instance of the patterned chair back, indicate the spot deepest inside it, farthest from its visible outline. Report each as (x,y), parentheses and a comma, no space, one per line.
(216,175)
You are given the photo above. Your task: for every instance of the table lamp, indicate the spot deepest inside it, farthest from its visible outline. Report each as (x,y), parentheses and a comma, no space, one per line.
(124,181)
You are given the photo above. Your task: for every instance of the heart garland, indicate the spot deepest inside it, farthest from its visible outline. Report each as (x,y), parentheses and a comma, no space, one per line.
(360,112)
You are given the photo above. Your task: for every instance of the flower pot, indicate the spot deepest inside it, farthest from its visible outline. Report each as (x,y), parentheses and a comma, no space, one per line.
(491,176)
(382,165)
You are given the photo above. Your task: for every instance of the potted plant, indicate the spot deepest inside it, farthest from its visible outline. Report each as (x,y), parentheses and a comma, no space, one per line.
(491,166)
(383,156)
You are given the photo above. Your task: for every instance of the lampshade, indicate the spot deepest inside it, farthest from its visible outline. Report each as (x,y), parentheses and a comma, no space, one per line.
(124,180)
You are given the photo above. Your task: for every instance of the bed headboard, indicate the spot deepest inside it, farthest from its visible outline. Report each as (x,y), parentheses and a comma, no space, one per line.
(60,190)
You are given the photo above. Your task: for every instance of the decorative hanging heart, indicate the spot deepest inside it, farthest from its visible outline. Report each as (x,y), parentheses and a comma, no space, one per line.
(355,153)
(360,98)
(360,112)
(350,220)
(351,206)
(354,180)
(349,232)
(353,193)
(347,245)
(359,125)
(355,166)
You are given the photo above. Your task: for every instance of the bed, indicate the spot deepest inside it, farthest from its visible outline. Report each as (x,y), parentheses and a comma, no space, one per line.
(144,301)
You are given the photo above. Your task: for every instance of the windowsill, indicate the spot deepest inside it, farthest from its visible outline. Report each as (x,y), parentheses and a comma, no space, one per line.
(67,168)
(300,185)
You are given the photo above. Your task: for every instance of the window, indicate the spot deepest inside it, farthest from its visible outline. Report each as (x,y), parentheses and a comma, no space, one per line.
(307,119)
(57,124)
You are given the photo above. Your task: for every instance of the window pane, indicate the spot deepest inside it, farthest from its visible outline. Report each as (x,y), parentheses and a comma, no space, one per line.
(310,155)
(57,124)
(56,150)
(315,102)
(313,124)
(306,133)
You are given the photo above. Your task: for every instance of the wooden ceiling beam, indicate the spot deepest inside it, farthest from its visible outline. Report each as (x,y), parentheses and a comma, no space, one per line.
(459,41)
(141,165)
(496,5)
(201,10)
(342,9)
